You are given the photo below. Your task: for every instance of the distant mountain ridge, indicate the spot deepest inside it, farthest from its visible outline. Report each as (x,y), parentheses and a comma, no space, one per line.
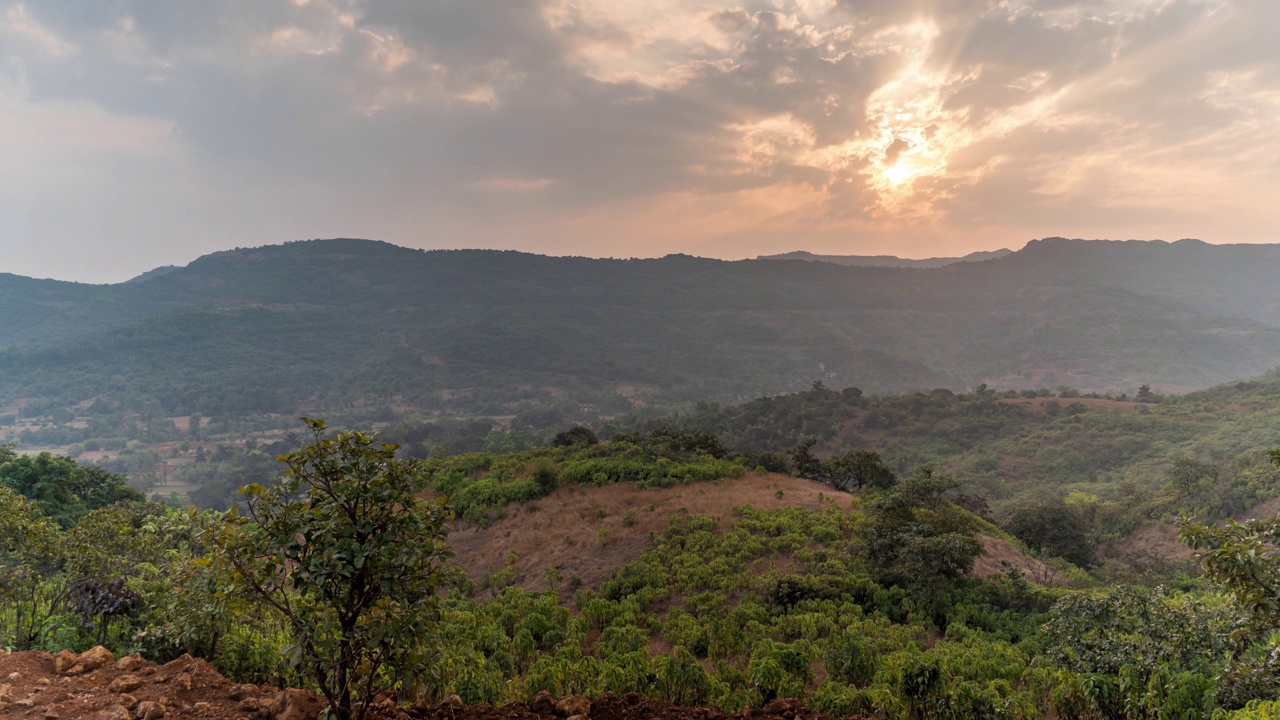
(887,260)
(334,322)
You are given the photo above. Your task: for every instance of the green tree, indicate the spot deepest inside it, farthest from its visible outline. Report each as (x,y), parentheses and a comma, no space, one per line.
(856,469)
(1243,559)
(1053,528)
(31,549)
(576,436)
(1187,474)
(917,540)
(62,488)
(343,549)
(803,460)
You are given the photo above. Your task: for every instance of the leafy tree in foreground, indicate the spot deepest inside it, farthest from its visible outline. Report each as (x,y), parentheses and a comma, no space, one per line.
(1243,559)
(342,549)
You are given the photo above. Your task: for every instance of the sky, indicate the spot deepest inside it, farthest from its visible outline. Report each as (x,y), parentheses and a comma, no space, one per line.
(140,133)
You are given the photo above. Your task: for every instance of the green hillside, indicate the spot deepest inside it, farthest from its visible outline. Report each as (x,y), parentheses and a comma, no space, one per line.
(340,322)
(1137,459)
(862,604)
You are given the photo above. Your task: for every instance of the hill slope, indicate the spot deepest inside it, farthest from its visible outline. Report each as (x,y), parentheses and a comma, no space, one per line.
(344,321)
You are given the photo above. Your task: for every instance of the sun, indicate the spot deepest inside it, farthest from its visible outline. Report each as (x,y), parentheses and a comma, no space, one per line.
(900,174)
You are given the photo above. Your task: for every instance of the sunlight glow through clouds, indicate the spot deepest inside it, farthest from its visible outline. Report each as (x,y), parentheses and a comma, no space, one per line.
(726,127)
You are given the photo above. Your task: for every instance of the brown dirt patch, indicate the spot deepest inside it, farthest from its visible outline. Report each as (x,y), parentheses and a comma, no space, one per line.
(998,554)
(35,690)
(1160,540)
(588,532)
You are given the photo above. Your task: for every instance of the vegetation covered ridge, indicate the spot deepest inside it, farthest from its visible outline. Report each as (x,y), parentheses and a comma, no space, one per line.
(339,578)
(502,333)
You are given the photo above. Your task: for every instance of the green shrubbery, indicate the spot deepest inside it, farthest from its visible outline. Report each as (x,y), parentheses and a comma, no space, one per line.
(866,609)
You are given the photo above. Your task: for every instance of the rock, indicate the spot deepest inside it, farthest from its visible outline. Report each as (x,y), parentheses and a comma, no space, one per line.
(295,704)
(201,707)
(249,705)
(128,702)
(43,682)
(454,702)
(148,710)
(52,713)
(544,703)
(115,712)
(579,717)
(91,660)
(129,663)
(573,705)
(240,692)
(183,680)
(777,707)
(64,661)
(125,683)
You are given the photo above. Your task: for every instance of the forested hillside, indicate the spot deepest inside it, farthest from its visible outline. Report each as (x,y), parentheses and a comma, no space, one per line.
(334,323)
(1124,461)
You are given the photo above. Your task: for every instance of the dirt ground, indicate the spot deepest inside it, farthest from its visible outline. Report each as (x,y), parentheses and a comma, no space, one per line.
(97,686)
(31,687)
(588,532)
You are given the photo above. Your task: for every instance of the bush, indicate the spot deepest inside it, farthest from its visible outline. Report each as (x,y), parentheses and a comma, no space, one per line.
(343,550)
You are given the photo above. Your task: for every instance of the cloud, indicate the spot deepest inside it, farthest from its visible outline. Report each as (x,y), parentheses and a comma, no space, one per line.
(873,122)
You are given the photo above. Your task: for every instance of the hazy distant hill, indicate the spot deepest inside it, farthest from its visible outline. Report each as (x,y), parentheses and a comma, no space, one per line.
(886,260)
(340,321)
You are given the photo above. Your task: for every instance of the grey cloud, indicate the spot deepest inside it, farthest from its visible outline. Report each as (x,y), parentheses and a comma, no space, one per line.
(424,103)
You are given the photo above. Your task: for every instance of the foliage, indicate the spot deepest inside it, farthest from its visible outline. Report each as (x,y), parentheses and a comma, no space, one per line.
(61,488)
(1053,528)
(1243,559)
(917,540)
(1136,653)
(479,485)
(343,550)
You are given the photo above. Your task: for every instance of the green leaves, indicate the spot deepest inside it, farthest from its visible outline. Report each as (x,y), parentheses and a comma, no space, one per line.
(344,550)
(1242,559)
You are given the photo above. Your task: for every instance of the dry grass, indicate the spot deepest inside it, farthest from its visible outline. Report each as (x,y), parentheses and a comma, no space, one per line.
(996,552)
(564,528)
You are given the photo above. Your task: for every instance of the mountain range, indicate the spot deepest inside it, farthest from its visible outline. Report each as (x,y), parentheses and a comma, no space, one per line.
(886,260)
(328,323)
